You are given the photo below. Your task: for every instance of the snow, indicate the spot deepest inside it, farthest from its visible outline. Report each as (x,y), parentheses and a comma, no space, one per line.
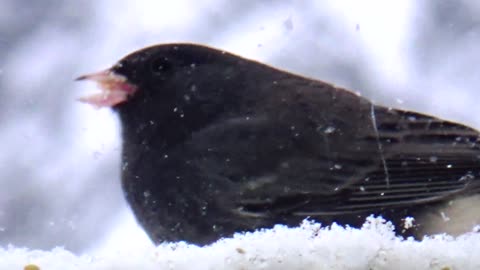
(308,246)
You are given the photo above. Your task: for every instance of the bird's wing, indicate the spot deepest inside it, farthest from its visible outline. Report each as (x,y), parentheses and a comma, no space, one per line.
(401,159)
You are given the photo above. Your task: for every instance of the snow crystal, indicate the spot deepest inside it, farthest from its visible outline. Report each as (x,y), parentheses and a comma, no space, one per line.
(408,222)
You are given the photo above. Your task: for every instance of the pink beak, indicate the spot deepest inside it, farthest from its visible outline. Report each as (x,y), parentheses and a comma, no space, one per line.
(115,88)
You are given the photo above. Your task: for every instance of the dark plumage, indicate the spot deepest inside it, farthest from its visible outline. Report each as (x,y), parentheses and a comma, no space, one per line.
(214,143)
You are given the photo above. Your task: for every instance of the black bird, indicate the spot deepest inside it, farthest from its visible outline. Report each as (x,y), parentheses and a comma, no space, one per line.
(214,143)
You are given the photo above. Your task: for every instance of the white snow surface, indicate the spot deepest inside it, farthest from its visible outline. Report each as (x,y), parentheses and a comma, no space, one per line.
(309,246)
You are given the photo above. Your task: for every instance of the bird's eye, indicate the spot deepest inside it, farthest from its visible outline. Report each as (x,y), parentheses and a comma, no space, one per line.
(160,65)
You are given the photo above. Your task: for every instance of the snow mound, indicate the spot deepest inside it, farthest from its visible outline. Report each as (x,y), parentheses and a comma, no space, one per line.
(308,246)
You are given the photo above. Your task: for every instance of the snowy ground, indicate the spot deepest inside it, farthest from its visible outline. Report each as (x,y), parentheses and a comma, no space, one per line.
(305,247)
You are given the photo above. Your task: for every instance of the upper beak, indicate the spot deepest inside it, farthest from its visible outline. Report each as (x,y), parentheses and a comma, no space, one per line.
(114,87)
(103,75)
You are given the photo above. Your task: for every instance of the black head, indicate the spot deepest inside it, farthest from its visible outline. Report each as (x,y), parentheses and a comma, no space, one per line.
(183,86)
(174,89)
(179,75)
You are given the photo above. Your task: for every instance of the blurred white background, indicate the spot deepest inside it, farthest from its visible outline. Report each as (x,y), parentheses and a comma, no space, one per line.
(59,159)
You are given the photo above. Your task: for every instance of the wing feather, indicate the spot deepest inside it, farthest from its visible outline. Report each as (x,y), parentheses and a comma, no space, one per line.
(427,160)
